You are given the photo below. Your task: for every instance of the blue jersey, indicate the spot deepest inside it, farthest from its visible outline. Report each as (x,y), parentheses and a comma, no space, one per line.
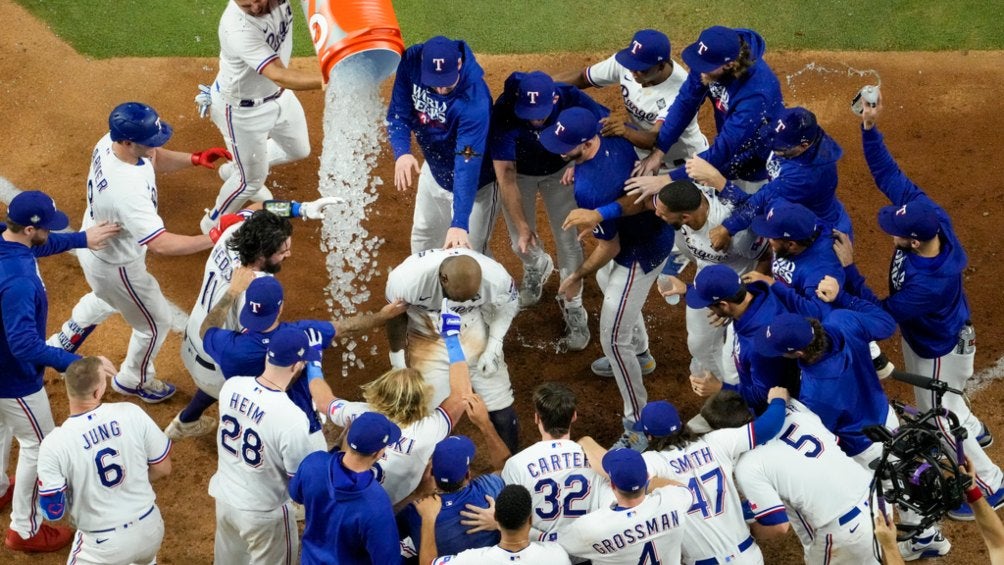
(452,130)
(803,272)
(757,373)
(644,238)
(926,296)
(513,139)
(242,354)
(24,308)
(809,179)
(451,536)
(350,519)
(744,109)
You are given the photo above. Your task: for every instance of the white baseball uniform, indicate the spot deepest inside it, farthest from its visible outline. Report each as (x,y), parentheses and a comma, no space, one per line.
(100,459)
(550,553)
(125,194)
(562,485)
(649,533)
(827,492)
(486,316)
(262,124)
(707,343)
(262,439)
(404,462)
(647,105)
(716,528)
(29,419)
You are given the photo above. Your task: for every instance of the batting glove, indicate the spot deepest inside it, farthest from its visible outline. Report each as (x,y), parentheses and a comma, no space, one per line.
(449,321)
(225,221)
(313,354)
(209,156)
(491,359)
(314,210)
(203,100)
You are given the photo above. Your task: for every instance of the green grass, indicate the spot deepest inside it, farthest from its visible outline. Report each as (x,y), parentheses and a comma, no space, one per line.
(147,28)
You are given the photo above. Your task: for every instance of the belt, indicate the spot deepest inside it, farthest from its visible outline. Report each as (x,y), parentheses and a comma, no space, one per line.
(249,102)
(743,546)
(852,514)
(124,526)
(205,364)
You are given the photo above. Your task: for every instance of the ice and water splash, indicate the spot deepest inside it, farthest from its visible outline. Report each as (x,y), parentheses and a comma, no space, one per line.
(846,71)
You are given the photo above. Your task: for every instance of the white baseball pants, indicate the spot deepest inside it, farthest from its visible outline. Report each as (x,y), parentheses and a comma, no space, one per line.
(136,543)
(710,346)
(259,137)
(136,295)
(558,202)
(249,537)
(198,362)
(622,329)
(29,419)
(836,543)
(434,214)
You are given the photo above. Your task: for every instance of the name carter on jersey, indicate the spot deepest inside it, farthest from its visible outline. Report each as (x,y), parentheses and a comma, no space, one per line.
(639,533)
(557,462)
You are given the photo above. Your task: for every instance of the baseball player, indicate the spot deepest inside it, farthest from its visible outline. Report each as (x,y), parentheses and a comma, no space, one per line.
(513,513)
(641,528)
(727,68)
(628,258)
(485,296)
(24,405)
(802,472)
(529,103)
(262,440)
(100,462)
(122,189)
(440,95)
(252,101)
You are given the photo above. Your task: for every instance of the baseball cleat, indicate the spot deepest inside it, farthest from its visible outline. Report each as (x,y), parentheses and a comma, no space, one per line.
(964,512)
(533,282)
(934,545)
(577,334)
(883,366)
(48,539)
(155,390)
(602,368)
(985,439)
(7,496)
(177,429)
(631,440)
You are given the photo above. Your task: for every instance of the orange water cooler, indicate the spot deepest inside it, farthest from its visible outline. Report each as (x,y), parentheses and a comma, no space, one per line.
(364,31)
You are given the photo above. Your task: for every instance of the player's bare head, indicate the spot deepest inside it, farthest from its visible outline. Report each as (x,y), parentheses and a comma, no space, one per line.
(83,377)
(678,202)
(460,277)
(262,241)
(403,395)
(513,507)
(256,7)
(726,409)
(554,405)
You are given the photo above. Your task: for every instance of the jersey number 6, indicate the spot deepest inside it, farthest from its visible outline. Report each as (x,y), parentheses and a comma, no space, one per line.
(110,474)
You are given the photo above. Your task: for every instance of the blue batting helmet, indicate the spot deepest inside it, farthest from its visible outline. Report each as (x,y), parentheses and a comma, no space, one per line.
(139,123)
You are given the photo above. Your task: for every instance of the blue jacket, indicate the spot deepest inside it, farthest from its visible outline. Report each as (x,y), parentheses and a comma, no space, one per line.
(350,520)
(757,373)
(809,179)
(926,296)
(24,308)
(451,536)
(452,130)
(513,139)
(803,272)
(243,354)
(744,110)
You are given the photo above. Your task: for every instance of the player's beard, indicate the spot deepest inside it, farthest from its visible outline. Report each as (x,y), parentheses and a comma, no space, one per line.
(39,238)
(271,268)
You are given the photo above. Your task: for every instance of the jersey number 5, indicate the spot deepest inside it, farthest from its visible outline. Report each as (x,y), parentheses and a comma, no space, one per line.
(250,442)
(110,474)
(801,441)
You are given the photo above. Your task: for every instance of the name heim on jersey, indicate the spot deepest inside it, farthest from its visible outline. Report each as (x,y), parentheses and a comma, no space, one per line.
(639,533)
(247,407)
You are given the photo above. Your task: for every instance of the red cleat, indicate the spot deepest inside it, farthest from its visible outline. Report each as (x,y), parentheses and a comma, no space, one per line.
(49,538)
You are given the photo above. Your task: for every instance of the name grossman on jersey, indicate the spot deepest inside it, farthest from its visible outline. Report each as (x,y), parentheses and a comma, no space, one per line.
(639,533)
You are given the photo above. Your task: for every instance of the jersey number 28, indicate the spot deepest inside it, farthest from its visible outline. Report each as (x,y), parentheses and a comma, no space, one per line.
(250,446)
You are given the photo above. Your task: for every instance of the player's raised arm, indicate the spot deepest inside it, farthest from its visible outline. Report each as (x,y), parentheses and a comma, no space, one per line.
(460,376)
(369,320)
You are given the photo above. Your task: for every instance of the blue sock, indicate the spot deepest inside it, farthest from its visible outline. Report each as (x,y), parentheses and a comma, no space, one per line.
(196,407)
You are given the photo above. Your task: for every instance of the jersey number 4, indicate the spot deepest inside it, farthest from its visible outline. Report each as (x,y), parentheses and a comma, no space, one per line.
(648,555)
(576,488)
(247,442)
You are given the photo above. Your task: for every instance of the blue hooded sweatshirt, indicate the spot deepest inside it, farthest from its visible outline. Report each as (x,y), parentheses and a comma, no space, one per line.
(744,109)
(452,130)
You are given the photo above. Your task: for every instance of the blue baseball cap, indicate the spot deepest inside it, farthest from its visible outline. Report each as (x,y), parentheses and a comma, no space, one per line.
(786,220)
(715,47)
(627,469)
(794,127)
(712,284)
(452,458)
(371,432)
(573,127)
(36,209)
(535,96)
(785,334)
(914,220)
(262,301)
(440,62)
(287,346)
(658,419)
(648,48)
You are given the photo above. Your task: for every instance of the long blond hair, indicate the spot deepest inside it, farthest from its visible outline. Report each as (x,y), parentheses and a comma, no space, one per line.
(402,395)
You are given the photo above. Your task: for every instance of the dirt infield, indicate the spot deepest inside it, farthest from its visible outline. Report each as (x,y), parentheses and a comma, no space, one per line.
(940,124)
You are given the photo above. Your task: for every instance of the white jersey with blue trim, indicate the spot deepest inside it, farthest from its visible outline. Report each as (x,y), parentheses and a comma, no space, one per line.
(260,443)
(125,194)
(404,462)
(804,470)
(550,553)
(743,251)
(100,459)
(248,44)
